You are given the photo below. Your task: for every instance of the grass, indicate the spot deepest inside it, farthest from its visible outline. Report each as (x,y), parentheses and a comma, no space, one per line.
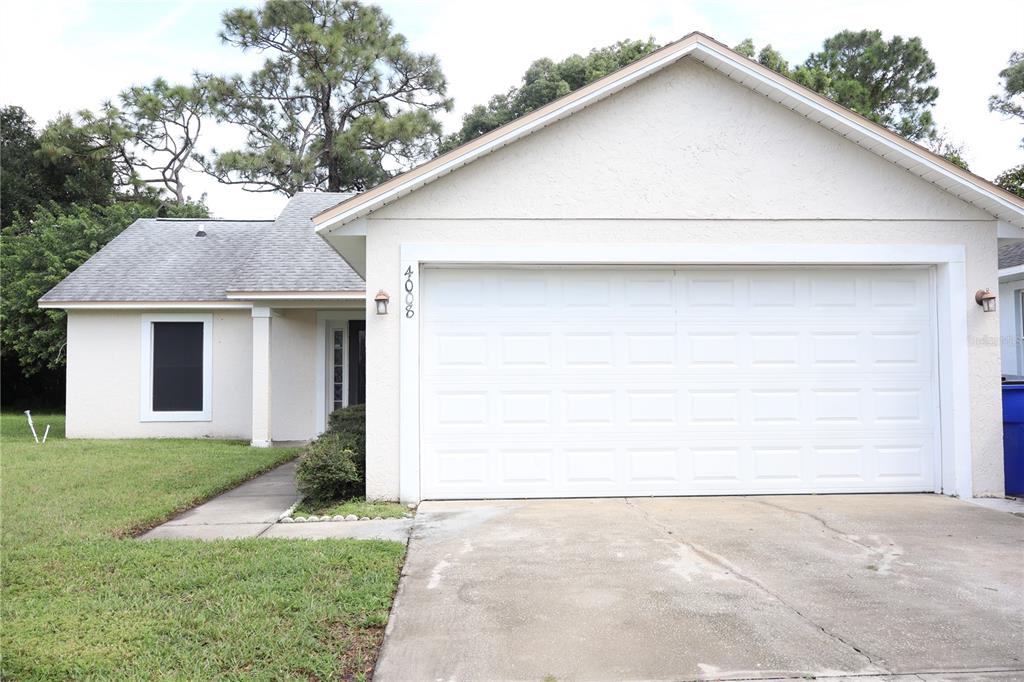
(81,600)
(358,506)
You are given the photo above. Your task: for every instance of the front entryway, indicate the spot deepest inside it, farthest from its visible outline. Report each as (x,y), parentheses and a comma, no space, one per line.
(346,363)
(573,382)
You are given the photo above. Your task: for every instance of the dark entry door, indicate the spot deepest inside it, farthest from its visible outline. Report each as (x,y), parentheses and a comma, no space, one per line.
(357,362)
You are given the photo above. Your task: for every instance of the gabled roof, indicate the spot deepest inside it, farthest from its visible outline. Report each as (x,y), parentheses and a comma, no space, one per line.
(161,260)
(291,257)
(854,127)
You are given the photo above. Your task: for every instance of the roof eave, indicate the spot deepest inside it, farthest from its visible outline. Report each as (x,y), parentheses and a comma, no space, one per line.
(868,134)
(140,305)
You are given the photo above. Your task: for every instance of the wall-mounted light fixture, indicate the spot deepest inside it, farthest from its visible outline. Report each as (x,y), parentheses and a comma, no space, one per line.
(381,299)
(986,299)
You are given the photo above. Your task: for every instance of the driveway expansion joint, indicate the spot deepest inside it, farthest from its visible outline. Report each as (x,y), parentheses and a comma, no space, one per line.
(732,569)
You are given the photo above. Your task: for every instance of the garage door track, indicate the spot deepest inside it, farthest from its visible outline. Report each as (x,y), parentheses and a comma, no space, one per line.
(918,586)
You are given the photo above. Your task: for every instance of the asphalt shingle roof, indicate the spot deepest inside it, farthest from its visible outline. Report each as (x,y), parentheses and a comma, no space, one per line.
(162,260)
(1011,255)
(293,258)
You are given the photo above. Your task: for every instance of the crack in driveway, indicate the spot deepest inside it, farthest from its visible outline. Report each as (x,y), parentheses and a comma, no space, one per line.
(723,563)
(886,550)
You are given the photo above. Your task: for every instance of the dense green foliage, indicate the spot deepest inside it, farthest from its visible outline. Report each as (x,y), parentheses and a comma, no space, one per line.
(65,191)
(57,165)
(80,603)
(41,249)
(546,81)
(333,467)
(350,421)
(1012,180)
(767,56)
(330,469)
(887,81)
(339,104)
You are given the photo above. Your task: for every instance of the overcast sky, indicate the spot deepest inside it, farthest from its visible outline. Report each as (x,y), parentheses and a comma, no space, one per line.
(64,56)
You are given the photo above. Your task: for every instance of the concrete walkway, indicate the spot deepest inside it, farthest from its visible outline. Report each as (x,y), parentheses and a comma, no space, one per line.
(887,587)
(247,511)
(252,509)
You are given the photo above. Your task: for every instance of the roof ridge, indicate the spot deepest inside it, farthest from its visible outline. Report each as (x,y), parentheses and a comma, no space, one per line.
(212,220)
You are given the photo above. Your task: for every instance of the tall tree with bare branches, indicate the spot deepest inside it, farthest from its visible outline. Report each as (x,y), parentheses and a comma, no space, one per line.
(165,121)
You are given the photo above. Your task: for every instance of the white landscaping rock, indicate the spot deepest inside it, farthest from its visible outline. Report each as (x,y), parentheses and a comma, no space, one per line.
(364,518)
(411,505)
(377,518)
(337,517)
(300,519)
(351,517)
(286,519)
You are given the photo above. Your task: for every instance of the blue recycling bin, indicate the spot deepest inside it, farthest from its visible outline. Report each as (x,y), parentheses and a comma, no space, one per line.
(1013,437)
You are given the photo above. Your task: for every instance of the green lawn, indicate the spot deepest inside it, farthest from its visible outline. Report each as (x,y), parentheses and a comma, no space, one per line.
(358,506)
(83,600)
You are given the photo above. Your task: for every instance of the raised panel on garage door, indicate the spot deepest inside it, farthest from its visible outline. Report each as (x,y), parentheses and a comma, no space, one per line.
(549,382)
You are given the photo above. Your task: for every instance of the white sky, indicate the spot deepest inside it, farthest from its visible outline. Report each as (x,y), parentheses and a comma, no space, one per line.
(67,55)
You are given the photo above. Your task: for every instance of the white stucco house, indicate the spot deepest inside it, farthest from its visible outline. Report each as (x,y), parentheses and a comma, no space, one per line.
(693,276)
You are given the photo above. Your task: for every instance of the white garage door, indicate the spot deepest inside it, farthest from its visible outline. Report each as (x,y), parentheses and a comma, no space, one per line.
(599,382)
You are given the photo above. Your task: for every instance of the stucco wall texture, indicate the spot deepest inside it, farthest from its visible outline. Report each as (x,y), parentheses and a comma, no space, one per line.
(103,389)
(686,156)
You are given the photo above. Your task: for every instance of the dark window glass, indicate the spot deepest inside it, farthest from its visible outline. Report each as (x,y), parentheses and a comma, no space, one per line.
(357,362)
(177,366)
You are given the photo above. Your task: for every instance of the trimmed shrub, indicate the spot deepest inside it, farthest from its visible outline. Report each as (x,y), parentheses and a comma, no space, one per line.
(350,420)
(333,467)
(329,469)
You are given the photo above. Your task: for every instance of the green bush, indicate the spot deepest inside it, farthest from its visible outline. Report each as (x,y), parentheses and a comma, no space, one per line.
(350,420)
(333,467)
(329,469)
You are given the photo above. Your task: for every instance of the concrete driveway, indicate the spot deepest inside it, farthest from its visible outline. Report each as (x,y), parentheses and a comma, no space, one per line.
(916,586)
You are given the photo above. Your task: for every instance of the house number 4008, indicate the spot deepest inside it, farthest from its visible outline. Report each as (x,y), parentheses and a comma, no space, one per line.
(409,297)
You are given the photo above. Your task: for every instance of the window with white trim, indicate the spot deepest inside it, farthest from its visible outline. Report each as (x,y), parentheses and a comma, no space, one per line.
(176,367)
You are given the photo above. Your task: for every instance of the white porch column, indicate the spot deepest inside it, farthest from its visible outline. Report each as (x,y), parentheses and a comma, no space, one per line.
(261,317)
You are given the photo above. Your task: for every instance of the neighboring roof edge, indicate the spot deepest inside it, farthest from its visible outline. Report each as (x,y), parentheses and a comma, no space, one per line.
(923,162)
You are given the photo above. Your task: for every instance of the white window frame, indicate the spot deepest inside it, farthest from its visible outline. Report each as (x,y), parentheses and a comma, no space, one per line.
(325,321)
(329,365)
(146,412)
(1018,329)
(951,291)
